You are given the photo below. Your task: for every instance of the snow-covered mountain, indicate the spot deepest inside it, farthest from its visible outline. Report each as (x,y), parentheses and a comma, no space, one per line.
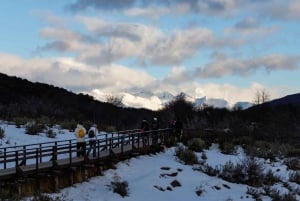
(155,101)
(243,105)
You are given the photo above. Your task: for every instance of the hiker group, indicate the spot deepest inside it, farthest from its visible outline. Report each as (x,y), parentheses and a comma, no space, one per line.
(146,130)
(80,133)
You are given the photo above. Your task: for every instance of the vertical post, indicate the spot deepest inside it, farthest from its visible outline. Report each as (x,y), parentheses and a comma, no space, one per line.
(41,153)
(36,160)
(106,140)
(17,159)
(4,158)
(70,152)
(54,155)
(122,145)
(24,154)
(98,148)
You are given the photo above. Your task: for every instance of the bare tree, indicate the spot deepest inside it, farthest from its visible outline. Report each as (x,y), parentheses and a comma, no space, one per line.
(265,96)
(257,98)
(117,101)
(261,96)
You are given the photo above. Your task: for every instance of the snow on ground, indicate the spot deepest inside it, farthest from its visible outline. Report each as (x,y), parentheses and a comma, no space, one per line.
(150,176)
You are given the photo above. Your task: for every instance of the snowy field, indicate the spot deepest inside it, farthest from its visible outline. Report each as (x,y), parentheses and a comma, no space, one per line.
(150,177)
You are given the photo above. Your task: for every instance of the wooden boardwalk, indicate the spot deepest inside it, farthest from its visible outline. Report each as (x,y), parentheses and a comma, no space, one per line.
(34,159)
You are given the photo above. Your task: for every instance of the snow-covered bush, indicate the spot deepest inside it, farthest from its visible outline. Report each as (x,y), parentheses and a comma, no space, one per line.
(33,128)
(186,155)
(118,186)
(295,177)
(50,133)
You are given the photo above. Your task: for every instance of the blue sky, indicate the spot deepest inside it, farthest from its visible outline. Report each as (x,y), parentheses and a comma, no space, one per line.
(226,49)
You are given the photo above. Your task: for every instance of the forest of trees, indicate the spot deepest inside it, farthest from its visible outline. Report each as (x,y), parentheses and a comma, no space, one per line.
(22,100)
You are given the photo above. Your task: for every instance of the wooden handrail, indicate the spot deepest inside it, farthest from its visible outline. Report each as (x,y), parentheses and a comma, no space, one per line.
(37,153)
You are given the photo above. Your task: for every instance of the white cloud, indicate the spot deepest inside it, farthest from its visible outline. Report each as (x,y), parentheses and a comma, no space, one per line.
(224,66)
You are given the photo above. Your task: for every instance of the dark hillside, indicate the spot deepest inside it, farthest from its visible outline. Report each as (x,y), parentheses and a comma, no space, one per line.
(277,120)
(293,100)
(22,98)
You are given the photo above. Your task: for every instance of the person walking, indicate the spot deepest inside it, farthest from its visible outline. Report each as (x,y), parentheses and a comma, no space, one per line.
(92,133)
(178,129)
(144,130)
(154,129)
(80,132)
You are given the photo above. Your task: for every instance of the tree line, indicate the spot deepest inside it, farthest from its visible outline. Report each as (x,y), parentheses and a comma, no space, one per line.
(22,100)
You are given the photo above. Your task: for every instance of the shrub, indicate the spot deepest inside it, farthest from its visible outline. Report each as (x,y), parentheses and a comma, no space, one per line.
(170,141)
(270,178)
(209,170)
(68,124)
(228,148)
(276,196)
(249,171)
(33,128)
(254,171)
(292,163)
(295,177)
(243,141)
(118,186)
(19,121)
(233,173)
(110,129)
(295,152)
(196,144)
(50,133)
(256,194)
(186,155)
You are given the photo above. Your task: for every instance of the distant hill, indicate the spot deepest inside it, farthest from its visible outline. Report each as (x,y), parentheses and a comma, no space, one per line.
(293,99)
(22,98)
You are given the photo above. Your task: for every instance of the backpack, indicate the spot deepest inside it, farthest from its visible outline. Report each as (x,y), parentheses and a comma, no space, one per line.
(81,133)
(91,133)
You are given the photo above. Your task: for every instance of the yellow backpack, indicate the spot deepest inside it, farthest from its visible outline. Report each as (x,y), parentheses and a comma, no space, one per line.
(81,133)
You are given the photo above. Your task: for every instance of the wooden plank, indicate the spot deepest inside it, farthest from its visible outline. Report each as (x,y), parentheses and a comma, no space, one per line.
(7,173)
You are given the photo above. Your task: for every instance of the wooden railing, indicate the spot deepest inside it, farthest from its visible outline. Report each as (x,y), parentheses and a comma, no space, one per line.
(64,152)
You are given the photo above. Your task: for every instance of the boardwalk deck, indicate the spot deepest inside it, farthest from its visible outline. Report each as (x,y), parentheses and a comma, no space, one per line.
(45,158)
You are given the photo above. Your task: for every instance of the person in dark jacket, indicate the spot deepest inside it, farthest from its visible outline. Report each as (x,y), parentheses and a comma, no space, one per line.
(144,126)
(178,129)
(154,129)
(92,134)
(144,129)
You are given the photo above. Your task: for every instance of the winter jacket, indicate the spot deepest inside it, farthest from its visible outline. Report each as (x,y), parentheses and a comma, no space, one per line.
(93,128)
(78,131)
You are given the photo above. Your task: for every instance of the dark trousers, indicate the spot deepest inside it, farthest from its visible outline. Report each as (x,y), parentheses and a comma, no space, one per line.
(92,145)
(81,148)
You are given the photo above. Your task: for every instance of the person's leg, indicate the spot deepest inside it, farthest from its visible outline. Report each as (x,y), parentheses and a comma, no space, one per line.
(90,148)
(94,148)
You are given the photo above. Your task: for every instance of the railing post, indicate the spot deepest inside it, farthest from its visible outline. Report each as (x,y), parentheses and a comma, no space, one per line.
(122,145)
(17,159)
(70,152)
(111,143)
(24,155)
(4,158)
(106,141)
(98,148)
(36,160)
(41,151)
